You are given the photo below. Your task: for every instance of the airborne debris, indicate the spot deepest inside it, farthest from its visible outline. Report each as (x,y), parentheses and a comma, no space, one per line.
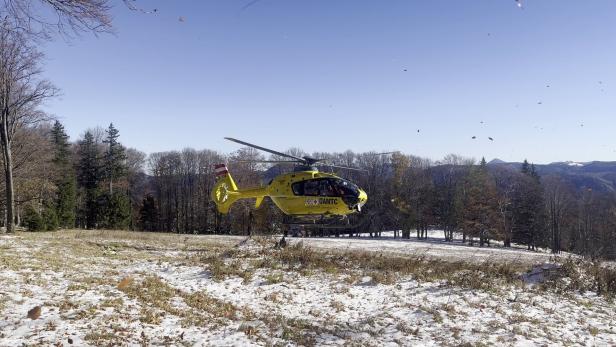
(249,4)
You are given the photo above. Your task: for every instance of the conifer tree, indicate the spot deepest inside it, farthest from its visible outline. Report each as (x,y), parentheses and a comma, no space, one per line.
(114,210)
(115,157)
(89,177)
(115,205)
(479,214)
(528,208)
(148,214)
(65,203)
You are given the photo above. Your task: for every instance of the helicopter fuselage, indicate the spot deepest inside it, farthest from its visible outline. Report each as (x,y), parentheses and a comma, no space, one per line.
(296,193)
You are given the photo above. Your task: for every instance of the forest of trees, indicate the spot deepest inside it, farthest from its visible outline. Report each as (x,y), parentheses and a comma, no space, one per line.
(95,182)
(51,182)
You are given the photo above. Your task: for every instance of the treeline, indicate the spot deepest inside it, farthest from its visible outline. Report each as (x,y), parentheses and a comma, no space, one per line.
(98,183)
(83,185)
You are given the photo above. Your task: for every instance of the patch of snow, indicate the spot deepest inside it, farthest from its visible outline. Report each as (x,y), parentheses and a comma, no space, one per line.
(335,310)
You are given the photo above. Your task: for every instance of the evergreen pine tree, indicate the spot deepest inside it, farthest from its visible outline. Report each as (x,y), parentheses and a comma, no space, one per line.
(528,208)
(114,205)
(49,217)
(115,157)
(32,219)
(89,177)
(65,203)
(148,214)
(525,167)
(479,212)
(114,210)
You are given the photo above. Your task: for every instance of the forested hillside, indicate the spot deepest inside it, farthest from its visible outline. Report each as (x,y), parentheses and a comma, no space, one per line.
(95,182)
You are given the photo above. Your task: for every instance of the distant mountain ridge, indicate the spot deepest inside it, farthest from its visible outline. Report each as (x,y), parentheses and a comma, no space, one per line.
(596,175)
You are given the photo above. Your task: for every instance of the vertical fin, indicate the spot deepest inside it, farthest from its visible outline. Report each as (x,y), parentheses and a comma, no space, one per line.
(225,186)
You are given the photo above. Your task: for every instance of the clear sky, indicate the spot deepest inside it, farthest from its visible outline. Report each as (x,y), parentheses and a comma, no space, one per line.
(331,75)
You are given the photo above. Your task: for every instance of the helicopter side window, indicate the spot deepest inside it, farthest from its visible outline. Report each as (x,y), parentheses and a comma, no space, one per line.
(326,188)
(316,187)
(311,188)
(298,188)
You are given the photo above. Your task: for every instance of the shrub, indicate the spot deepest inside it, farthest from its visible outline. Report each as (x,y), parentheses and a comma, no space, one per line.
(32,219)
(49,218)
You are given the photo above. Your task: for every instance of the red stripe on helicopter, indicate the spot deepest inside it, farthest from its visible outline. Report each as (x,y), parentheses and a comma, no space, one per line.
(221,169)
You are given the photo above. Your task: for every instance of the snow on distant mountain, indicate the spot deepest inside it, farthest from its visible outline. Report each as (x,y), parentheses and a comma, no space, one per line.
(597,175)
(496,161)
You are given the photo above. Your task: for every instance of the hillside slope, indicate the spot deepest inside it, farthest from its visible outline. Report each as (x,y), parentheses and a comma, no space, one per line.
(120,288)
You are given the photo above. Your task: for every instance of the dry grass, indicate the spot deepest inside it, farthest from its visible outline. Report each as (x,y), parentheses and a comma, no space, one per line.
(577,274)
(156,296)
(261,264)
(386,269)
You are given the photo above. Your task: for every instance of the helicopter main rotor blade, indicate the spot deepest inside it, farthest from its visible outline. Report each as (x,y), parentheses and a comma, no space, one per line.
(266,149)
(345,167)
(383,153)
(266,161)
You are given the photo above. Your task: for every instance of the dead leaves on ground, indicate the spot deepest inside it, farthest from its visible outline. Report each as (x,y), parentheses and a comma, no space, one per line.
(34,313)
(125,282)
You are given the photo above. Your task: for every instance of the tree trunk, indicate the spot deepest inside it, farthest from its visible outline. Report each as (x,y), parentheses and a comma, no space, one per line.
(8,178)
(17,214)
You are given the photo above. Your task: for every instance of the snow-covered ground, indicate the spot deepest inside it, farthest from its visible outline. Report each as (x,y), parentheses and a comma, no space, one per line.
(433,246)
(150,289)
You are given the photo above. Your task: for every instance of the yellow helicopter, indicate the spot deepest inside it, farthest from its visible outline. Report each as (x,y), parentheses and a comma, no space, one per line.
(305,194)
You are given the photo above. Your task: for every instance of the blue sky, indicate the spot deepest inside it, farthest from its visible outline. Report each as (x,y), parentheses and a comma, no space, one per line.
(331,75)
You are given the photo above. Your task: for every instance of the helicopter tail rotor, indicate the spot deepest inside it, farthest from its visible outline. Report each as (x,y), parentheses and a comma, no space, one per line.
(225,190)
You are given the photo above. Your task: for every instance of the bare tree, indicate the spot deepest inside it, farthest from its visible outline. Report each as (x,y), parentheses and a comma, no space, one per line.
(42,18)
(558,200)
(32,172)
(22,90)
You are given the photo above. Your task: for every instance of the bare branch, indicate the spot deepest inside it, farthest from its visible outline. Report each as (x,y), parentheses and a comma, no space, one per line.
(42,18)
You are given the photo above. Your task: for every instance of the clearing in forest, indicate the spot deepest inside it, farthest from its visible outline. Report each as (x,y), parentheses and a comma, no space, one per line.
(129,288)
